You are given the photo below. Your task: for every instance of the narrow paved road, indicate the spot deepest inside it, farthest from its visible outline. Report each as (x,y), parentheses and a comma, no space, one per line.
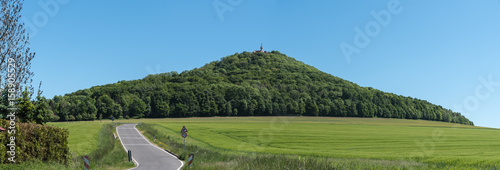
(145,154)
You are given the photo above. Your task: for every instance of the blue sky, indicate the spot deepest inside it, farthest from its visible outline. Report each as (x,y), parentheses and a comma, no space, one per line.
(444,52)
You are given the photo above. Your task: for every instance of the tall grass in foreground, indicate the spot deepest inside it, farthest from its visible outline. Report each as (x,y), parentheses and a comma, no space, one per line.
(216,158)
(108,155)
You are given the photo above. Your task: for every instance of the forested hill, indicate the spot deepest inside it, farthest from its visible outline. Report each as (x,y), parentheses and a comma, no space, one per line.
(244,84)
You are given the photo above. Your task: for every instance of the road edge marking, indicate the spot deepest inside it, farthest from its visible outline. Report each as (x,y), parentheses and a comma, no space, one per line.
(182,163)
(133,160)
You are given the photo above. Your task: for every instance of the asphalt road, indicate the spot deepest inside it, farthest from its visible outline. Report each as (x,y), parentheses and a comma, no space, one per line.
(145,154)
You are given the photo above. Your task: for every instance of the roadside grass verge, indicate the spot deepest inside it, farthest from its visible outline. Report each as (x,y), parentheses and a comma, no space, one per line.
(109,153)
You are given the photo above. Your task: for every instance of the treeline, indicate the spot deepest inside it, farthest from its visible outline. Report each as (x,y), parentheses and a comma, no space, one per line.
(243,84)
(28,111)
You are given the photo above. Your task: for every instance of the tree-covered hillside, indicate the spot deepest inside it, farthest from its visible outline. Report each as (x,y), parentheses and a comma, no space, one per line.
(244,84)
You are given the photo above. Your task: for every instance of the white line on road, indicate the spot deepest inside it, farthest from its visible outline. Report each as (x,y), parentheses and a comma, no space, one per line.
(131,138)
(182,163)
(137,163)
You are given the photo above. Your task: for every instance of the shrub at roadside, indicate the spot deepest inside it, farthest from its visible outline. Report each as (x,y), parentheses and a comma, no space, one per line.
(35,142)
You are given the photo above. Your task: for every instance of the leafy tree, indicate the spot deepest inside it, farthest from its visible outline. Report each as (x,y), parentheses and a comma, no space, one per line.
(228,109)
(363,110)
(79,117)
(116,110)
(42,112)
(91,110)
(162,108)
(4,103)
(63,110)
(312,108)
(137,107)
(25,111)
(15,54)
(180,110)
(103,105)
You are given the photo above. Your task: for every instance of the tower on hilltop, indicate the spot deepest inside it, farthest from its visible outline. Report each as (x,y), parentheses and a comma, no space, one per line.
(261,50)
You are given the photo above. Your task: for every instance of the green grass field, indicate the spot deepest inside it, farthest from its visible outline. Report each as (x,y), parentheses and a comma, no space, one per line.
(83,136)
(412,141)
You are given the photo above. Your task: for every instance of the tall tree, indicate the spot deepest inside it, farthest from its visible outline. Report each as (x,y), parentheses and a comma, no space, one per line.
(25,107)
(42,112)
(137,107)
(15,55)
(104,104)
(116,110)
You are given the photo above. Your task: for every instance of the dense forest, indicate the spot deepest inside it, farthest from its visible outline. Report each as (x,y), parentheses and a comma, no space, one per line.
(243,84)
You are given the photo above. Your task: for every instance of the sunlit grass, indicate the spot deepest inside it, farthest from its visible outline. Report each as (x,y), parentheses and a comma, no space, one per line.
(83,136)
(352,138)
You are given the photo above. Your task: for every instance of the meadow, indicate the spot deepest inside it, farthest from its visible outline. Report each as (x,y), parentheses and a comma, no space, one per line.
(385,143)
(83,136)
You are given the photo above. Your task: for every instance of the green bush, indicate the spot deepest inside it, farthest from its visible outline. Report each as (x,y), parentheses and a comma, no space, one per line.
(35,142)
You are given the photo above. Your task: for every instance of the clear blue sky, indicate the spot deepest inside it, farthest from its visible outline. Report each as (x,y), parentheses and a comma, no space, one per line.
(433,50)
